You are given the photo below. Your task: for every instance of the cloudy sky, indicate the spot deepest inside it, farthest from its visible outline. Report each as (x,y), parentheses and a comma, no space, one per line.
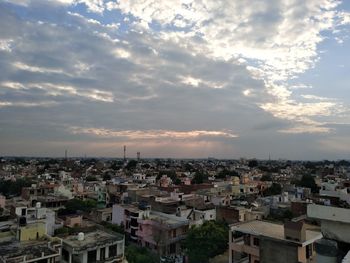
(175,78)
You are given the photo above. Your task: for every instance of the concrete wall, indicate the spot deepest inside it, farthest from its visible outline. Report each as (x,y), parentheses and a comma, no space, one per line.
(32,231)
(74,221)
(335,222)
(277,252)
(117,214)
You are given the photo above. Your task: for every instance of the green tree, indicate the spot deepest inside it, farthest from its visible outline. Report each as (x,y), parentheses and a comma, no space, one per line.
(177,181)
(206,241)
(199,178)
(13,188)
(309,182)
(91,178)
(131,165)
(107,177)
(266,177)
(136,254)
(253,163)
(224,173)
(114,227)
(274,189)
(62,231)
(73,205)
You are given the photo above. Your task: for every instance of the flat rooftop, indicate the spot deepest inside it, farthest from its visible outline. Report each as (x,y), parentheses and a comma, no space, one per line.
(92,239)
(269,229)
(30,249)
(170,220)
(262,228)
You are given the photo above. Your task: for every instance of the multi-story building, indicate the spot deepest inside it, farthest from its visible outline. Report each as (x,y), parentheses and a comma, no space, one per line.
(97,246)
(335,227)
(265,242)
(31,252)
(156,230)
(162,232)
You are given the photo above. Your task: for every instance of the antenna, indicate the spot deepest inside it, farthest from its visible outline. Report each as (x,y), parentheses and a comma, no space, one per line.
(138,156)
(65,154)
(124,152)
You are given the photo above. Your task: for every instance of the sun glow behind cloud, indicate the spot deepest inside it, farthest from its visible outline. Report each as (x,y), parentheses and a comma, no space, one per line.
(151,134)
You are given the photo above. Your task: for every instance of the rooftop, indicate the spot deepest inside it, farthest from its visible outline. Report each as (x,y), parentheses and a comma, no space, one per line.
(269,229)
(169,220)
(32,249)
(92,239)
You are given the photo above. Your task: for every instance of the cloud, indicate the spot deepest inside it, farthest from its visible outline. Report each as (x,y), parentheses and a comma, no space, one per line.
(152,134)
(54,90)
(281,37)
(27,104)
(190,71)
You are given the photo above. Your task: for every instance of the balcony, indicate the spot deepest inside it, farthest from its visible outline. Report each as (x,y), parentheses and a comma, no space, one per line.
(117,258)
(239,246)
(175,239)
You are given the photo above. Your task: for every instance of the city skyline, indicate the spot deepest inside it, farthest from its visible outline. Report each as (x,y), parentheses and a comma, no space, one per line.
(179,79)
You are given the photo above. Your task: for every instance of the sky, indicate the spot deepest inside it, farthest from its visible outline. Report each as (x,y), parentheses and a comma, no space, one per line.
(175,78)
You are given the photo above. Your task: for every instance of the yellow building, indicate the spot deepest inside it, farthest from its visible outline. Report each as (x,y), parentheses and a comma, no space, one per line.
(31,231)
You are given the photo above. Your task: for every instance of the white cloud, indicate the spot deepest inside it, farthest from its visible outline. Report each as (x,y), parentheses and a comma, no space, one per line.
(23,66)
(281,37)
(299,129)
(61,90)
(121,53)
(151,134)
(5,45)
(26,104)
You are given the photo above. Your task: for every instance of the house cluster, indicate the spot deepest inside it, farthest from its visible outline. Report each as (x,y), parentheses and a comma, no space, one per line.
(67,210)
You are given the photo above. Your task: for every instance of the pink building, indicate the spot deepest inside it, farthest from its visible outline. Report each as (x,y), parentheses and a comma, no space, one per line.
(155,230)
(162,232)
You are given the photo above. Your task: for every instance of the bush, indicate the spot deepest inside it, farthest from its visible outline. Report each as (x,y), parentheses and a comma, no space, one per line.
(136,254)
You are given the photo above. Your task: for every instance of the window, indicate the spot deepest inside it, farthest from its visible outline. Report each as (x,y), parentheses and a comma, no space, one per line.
(308,251)
(247,240)
(236,235)
(65,255)
(173,248)
(92,256)
(102,253)
(256,242)
(113,251)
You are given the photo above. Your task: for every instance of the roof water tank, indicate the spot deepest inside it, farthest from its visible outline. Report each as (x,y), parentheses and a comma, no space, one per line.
(81,236)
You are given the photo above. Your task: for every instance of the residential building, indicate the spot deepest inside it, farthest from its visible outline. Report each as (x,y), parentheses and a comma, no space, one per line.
(40,251)
(335,227)
(265,242)
(97,246)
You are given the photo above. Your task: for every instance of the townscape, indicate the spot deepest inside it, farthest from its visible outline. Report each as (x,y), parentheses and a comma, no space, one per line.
(174,131)
(173,210)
